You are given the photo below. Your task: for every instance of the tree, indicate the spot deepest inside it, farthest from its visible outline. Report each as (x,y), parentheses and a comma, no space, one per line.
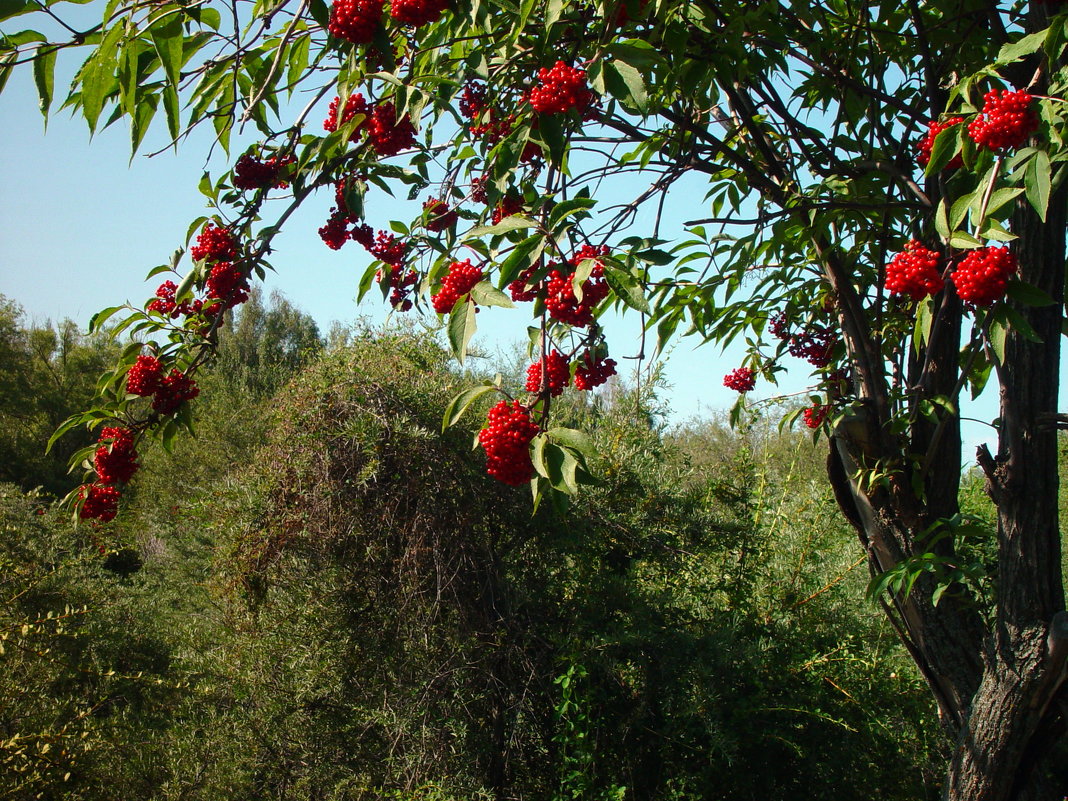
(800,123)
(47,373)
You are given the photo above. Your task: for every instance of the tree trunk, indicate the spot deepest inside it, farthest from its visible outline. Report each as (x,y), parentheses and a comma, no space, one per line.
(1000,690)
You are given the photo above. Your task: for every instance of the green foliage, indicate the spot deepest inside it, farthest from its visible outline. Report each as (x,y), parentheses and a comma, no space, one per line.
(327,602)
(47,373)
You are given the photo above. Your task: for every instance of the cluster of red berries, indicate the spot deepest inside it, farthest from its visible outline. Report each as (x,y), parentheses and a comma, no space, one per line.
(561,89)
(335,232)
(816,346)
(560,297)
(165,302)
(1006,121)
(473,99)
(401,284)
(417,12)
(174,390)
(982,276)
(115,462)
(356,21)
(115,459)
(510,204)
(506,440)
(355,104)
(387,135)
(915,272)
(559,291)
(146,378)
(815,415)
(439,217)
(557,375)
(215,244)
(593,370)
(462,276)
(740,379)
(934,128)
(227,285)
(251,173)
(99,502)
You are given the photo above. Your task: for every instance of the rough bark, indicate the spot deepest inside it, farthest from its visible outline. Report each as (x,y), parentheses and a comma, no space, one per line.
(1000,692)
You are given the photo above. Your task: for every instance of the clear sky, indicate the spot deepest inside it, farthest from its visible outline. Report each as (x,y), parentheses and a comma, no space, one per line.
(82,225)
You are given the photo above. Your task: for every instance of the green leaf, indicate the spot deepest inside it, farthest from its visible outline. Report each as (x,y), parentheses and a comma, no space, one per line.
(573,438)
(16,8)
(516,222)
(551,132)
(1037,183)
(71,422)
(1025,46)
(170,106)
(924,319)
(946,145)
(963,240)
(625,83)
(98,76)
(523,256)
(626,288)
(960,209)
(566,208)
(459,405)
(461,328)
(44,71)
(167,36)
(101,317)
(996,337)
(582,272)
(942,220)
(1027,294)
(486,294)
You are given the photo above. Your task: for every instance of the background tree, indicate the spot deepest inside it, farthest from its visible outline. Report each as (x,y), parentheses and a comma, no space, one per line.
(800,122)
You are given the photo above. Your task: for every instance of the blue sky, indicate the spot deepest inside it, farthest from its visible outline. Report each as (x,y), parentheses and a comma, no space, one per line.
(82,225)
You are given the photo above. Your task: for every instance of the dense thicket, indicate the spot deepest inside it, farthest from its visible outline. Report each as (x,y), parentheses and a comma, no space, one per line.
(320,599)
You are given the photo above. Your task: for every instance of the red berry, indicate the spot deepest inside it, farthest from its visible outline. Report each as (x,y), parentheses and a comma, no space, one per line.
(557,371)
(99,502)
(561,89)
(560,297)
(740,379)
(228,285)
(215,244)
(417,12)
(934,128)
(115,460)
(509,205)
(473,100)
(982,276)
(336,231)
(353,106)
(387,248)
(145,376)
(592,371)
(176,389)
(914,272)
(462,276)
(438,216)
(356,21)
(506,440)
(251,173)
(815,415)
(1006,121)
(388,136)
